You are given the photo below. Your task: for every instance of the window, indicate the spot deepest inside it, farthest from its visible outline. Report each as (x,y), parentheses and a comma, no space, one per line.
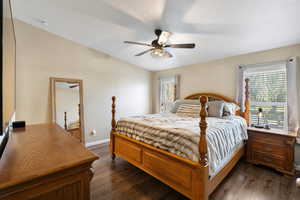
(168,92)
(268,90)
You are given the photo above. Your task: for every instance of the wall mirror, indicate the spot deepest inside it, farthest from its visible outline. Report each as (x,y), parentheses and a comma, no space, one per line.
(67,105)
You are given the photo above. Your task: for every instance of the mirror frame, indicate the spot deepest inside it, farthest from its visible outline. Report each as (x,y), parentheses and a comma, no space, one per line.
(53,81)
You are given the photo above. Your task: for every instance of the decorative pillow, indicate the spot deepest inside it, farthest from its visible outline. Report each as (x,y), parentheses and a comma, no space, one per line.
(188,110)
(215,108)
(230,109)
(177,103)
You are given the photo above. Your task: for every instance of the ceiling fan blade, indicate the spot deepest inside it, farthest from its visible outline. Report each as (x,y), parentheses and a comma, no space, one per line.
(138,43)
(142,53)
(189,46)
(168,54)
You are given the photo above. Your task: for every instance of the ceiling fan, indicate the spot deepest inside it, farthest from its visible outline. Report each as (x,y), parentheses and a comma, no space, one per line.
(158,45)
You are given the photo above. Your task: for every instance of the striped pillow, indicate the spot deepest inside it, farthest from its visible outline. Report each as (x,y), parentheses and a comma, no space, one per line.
(188,110)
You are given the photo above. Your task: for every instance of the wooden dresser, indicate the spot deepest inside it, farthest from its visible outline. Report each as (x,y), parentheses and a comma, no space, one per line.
(273,148)
(42,162)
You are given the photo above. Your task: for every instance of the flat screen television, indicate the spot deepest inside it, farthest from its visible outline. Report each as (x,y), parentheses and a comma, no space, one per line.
(8,73)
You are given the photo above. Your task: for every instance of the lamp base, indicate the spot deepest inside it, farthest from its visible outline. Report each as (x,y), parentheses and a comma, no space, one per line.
(258,126)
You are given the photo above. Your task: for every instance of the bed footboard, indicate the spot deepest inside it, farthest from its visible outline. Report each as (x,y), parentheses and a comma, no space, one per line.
(183,175)
(187,177)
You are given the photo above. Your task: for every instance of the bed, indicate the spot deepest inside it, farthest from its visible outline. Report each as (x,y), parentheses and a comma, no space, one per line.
(188,154)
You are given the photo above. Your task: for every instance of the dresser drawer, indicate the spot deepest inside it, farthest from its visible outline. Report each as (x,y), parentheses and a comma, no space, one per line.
(269,160)
(271,149)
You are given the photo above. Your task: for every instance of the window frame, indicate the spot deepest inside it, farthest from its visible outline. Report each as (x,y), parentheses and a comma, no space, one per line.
(268,67)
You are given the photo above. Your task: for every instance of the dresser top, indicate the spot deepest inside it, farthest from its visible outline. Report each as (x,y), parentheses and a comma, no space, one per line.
(40,150)
(274,131)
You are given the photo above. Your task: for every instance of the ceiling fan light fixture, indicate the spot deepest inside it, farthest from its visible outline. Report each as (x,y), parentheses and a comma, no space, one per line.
(158,53)
(164,37)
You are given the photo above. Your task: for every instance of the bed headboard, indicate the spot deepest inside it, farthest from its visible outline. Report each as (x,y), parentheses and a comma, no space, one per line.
(211,97)
(216,97)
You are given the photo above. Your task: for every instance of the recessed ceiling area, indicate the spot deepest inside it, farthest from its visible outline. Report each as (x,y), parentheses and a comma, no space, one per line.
(218,28)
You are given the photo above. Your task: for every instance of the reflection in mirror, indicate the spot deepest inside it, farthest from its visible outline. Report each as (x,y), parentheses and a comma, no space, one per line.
(67,105)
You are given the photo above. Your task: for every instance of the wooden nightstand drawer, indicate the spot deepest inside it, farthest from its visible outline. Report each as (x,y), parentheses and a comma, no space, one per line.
(268,160)
(269,138)
(271,149)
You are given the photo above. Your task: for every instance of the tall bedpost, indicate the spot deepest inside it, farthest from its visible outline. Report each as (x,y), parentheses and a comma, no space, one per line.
(200,175)
(247,102)
(113,128)
(65,120)
(203,126)
(79,114)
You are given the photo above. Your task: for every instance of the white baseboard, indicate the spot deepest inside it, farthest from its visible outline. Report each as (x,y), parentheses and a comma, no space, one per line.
(89,144)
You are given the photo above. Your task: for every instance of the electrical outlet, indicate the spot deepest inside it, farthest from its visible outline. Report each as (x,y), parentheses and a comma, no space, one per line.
(93,132)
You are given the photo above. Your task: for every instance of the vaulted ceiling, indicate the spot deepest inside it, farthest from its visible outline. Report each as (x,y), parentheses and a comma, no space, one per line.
(220,28)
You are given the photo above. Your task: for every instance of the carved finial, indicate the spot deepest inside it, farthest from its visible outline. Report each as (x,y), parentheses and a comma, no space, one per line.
(203,125)
(113,111)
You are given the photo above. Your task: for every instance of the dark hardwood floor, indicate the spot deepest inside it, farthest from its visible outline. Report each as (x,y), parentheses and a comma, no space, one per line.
(121,180)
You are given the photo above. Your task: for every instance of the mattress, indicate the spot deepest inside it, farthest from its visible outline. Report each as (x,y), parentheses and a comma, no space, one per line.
(180,135)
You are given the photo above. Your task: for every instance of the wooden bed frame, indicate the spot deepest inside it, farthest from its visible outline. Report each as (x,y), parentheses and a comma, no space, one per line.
(188,177)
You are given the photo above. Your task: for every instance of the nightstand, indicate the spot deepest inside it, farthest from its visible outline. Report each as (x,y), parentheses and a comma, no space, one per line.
(272,148)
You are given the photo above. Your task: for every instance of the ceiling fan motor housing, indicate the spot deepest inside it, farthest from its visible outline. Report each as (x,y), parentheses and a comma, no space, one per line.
(155,44)
(157,32)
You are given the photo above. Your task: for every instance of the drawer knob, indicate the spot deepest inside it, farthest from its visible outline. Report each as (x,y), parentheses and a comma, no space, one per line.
(268,159)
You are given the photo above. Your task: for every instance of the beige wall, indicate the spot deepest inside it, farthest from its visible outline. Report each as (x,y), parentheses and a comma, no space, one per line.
(219,76)
(41,55)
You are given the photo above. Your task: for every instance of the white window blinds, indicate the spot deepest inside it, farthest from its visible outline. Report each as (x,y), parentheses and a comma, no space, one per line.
(268,90)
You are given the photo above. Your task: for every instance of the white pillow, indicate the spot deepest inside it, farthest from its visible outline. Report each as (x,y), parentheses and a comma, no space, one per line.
(188,110)
(230,109)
